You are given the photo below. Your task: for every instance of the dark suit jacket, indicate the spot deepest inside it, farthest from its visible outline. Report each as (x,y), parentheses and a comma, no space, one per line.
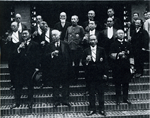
(85,43)
(43,37)
(13,46)
(101,66)
(23,26)
(59,27)
(117,23)
(121,66)
(139,40)
(99,26)
(104,41)
(35,38)
(28,60)
(58,67)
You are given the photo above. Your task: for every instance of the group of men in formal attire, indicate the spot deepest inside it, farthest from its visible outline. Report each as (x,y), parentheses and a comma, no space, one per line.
(58,53)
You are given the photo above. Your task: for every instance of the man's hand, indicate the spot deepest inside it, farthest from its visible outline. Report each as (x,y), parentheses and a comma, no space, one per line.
(54,53)
(36,69)
(105,77)
(88,58)
(9,38)
(43,43)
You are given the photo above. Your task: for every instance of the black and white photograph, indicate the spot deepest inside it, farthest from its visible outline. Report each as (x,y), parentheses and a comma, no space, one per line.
(74,59)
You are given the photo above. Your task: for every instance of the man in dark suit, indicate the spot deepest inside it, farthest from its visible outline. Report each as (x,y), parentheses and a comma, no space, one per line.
(92,31)
(140,42)
(91,16)
(13,40)
(120,53)
(107,36)
(62,25)
(132,26)
(117,22)
(21,26)
(45,39)
(95,63)
(36,30)
(58,67)
(27,55)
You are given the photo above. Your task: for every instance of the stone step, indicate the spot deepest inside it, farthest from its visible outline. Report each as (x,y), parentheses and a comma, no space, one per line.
(75,107)
(110,114)
(4,67)
(79,97)
(73,88)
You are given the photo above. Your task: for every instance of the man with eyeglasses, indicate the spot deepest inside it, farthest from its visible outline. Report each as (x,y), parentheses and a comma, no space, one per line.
(95,64)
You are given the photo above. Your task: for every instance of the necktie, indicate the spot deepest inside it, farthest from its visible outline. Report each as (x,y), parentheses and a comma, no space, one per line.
(94,55)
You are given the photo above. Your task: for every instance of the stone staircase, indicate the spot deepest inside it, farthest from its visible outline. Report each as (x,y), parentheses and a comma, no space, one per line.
(139,95)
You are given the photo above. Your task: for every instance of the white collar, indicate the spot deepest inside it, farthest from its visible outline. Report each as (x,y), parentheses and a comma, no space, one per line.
(120,40)
(93,48)
(110,28)
(15,32)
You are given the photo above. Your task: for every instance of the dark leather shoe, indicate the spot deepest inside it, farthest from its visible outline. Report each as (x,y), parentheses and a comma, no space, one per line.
(41,87)
(102,113)
(12,87)
(91,113)
(67,104)
(56,104)
(14,106)
(30,105)
(126,101)
(117,103)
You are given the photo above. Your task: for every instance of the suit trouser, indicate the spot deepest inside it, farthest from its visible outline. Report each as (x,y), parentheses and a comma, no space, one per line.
(99,87)
(121,87)
(18,93)
(138,59)
(64,91)
(12,69)
(23,79)
(76,57)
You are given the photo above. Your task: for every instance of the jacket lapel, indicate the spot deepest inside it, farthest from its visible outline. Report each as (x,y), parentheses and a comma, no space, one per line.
(62,47)
(97,54)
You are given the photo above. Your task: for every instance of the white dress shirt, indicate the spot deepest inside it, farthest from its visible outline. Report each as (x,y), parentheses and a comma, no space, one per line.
(39,29)
(57,44)
(63,23)
(20,27)
(47,36)
(15,37)
(93,52)
(110,32)
(92,32)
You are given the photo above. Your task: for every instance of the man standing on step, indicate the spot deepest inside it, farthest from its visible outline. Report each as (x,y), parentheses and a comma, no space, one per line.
(58,67)
(95,63)
(27,62)
(73,37)
(120,52)
(13,40)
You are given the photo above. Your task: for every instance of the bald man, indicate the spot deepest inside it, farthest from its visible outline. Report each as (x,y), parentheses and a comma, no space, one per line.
(120,53)
(58,69)
(13,40)
(62,25)
(21,26)
(95,64)
(91,17)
